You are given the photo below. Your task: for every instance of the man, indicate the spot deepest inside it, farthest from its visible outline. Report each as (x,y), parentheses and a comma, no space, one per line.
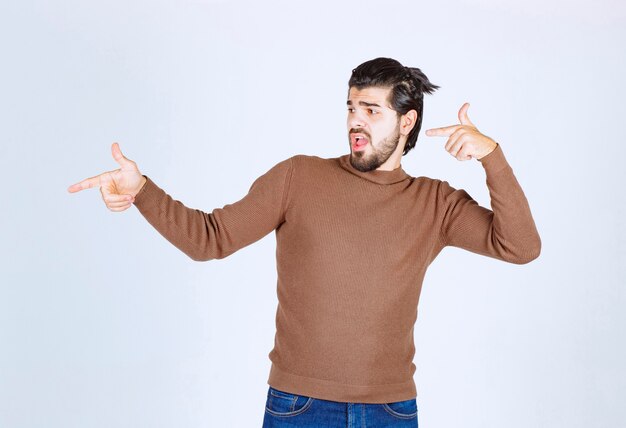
(355,235)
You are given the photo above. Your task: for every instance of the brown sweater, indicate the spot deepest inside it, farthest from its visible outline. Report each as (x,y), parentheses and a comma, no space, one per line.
(352,249)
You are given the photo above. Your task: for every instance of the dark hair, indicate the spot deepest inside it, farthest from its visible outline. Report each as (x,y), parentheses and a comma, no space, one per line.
(407,84)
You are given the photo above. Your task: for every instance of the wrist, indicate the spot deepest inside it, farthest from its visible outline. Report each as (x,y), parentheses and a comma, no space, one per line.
(493,147)
(141,185)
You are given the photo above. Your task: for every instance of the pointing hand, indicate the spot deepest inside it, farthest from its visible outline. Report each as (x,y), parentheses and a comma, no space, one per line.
(465,140)
(118,187)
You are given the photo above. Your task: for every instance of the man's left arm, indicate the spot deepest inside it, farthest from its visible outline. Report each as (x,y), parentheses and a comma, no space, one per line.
(508,231)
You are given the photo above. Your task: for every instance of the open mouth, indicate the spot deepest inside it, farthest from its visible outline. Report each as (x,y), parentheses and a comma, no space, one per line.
(358,141)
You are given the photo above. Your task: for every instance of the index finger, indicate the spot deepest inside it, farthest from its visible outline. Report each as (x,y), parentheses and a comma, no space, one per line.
(87,183)
(445,131)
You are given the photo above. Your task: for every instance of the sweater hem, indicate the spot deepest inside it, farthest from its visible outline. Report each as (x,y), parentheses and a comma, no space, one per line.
(341,392)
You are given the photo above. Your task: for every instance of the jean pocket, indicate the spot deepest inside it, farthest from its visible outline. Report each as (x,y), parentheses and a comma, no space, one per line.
(281,403)
(406,409)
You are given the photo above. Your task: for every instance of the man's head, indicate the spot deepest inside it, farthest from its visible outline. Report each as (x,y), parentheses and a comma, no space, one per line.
(385,104)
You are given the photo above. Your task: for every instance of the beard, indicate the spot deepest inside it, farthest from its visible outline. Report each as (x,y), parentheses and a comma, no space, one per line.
(366,162)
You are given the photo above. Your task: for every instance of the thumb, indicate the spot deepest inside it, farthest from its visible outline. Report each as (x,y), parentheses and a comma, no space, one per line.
(463,117)
(119,157)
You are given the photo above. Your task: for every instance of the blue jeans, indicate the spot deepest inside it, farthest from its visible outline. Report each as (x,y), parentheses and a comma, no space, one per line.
(283,410)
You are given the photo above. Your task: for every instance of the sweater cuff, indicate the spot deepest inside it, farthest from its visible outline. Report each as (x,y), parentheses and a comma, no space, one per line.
(147,195)
(494,161)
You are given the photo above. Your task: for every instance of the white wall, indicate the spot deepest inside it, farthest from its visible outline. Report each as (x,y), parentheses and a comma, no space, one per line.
(104,324)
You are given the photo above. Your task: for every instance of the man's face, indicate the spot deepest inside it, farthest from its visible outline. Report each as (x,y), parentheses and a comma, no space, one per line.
(373,128)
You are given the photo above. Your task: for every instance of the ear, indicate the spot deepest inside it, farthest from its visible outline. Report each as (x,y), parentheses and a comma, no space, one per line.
(407,122)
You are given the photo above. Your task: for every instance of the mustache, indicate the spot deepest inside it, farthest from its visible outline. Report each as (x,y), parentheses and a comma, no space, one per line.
(359,131)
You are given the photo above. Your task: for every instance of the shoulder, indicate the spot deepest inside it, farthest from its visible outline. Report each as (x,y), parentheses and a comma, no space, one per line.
(310,159)
(297,165)
(434,190)
(312,163)
(435,183)
(427,182)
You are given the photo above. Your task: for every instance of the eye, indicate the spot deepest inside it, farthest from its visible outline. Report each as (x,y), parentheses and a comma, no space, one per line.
(373,111)
(350,109)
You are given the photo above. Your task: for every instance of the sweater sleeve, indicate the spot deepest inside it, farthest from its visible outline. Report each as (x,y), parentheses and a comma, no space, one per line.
(508,232)
(206,236)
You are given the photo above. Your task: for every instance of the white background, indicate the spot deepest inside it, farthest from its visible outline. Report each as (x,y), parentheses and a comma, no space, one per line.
(103,323)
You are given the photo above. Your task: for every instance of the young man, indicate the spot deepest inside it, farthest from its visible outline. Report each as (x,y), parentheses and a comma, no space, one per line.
(355,235)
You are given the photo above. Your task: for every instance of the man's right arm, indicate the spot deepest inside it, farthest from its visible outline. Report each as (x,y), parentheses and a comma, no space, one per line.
(206,236)
(507,232)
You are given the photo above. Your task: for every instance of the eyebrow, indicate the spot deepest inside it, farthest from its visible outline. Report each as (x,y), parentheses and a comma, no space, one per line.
(364,103)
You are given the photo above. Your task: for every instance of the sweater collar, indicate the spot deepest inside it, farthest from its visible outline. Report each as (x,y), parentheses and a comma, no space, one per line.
(376,176)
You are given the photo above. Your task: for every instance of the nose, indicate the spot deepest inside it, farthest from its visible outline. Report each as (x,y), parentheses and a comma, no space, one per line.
(355,120)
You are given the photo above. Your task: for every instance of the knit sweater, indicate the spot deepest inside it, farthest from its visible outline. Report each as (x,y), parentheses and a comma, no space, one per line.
(352,250)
